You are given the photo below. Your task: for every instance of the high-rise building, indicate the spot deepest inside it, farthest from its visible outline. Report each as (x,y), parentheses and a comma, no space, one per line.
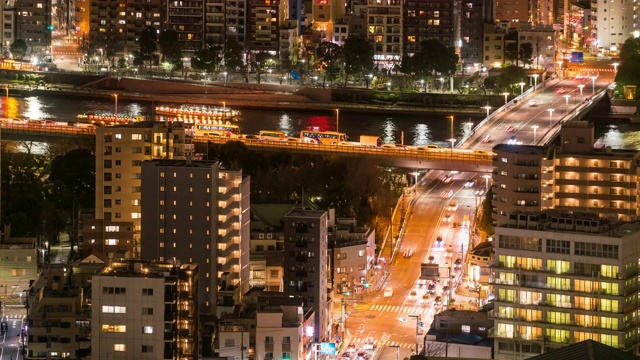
(305,264)
(471,32)
(384,31)
(33,24)
(187,18)
(265,20)
(197,212)
(324,14)
(353,250)
(513,11)
(121,151)
(612,23)
(564,277)
(145,310)
(422,20)
(570,174)
(493,53)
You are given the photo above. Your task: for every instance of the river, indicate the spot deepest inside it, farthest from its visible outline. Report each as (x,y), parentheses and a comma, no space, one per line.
(392,128)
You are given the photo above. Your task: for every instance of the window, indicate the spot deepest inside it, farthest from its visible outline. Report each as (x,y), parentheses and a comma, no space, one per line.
(286,340)
(286,355)
(114,328)
(147,348)
(147,311)
(147,329)
(229,343)
(466,329)
(136,136)
(268,339)
(361,253)
(119,347)
(114,309)
(147,291)
(558,246)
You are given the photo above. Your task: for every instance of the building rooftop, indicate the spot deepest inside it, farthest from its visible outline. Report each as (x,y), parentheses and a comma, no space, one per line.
(521,149)
(586,350)
(485,248)
(314,214)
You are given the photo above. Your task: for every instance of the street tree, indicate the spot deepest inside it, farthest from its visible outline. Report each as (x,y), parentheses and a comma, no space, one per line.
(233,61)
(19,48)
(510,75)
(433,57)
(171,49)
(358,57)
(109,43)
(261,63)
(526,53)
(285,65)
(629,68)
(147,45)
(86,47)
(208,59)
(630,49)
(511,52)
(328,56)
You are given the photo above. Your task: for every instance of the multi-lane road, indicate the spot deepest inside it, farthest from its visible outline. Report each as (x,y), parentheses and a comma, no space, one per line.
(10,340)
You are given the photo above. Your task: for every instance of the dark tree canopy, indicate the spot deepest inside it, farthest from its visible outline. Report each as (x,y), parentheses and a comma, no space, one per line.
(526,53)
(19,48)
(358,56)
(170,48)
(433,57)
(208,59)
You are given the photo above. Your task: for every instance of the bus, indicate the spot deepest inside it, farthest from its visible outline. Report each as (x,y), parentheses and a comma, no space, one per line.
(224,130)
(322,137)
(272,135)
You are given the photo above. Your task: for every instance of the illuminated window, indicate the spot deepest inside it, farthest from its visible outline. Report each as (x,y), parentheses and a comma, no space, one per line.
(147,329)
(555,317)
(609,305)
(119,347)
(114,328)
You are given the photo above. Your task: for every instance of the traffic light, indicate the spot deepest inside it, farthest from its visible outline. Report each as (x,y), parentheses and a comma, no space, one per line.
(50,27)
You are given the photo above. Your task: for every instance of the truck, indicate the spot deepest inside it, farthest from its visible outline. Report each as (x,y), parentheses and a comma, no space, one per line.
(370,141)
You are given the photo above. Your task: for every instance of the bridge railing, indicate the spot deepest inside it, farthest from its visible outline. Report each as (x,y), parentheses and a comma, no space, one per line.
(47,129)
(427,154)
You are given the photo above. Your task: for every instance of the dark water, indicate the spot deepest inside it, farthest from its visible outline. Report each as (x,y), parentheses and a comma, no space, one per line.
(392,128)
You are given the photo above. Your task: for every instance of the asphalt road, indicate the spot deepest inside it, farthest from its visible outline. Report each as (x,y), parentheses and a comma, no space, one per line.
(10,341)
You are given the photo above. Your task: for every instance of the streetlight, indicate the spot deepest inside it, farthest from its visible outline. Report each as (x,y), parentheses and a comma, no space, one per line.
(615,68)
(269,76)
(389,86)
(370,78)
(224,111)
(337,120)
(535,81)
(535,129)
(116,97)
(488,108)
(441,84)
(418,324)
(452,138)
(521,83)
(566,101)
(6,88)
(593,84)
(225,76)
(581,86)
(559,68)
(550,113)
(421,84)
(506,94)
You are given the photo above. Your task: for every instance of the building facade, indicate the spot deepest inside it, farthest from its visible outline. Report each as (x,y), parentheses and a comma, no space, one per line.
(196,212)
(570,175)
(384,32)
(613,23)
(284,332)
(122,149)
(305,264)
(34,26)
(561,278)
(353,252)
(107,237)
(493,52)
(145,310)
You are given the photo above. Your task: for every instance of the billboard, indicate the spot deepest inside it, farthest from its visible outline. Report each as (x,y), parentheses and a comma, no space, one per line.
(577,57)
(328,348)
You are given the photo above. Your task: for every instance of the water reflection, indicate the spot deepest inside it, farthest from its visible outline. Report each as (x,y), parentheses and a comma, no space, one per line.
(389,129)
(422,135)
(614,138)
(34,109)
(284,124)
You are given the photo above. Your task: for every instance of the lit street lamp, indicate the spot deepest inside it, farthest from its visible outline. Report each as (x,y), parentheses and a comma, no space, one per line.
(535,129)
(225,76)
(441,84)
(615,68)
(581,86)
(452,138)
(550,114)
(369,79)
(224,111)
(566,101)
(593,84)
(535,81)
(337,120)
(521,87)
(506,94)
(116,107)
(488,108)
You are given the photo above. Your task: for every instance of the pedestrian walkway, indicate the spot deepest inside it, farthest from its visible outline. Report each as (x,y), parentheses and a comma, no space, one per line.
(382,342)
(400,310)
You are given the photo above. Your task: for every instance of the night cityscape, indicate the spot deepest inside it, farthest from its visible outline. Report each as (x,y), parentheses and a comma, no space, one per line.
(315,180)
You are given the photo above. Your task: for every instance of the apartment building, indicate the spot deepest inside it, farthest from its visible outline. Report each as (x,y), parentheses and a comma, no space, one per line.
(284,332)
(493,53)
(122,22)
(543,41)
(59,318)
(234,338)
(187,18)
(266,261)
(422,20)
(145,310)
(564,277)
(471,34)
(353,250)
(33,18)
(568,175)
(121,151)
(19,262)
(108,237)
(8,25)
(197,212)
(235,20)
(305,264)
(614,22)
(384,31)
(513,11)
(264,24)
(324,13)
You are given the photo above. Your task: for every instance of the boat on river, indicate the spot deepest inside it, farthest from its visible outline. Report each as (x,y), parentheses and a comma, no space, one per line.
(109,118)
(196,113)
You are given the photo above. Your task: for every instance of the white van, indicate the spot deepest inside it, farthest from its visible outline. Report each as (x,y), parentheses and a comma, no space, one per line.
(388,291)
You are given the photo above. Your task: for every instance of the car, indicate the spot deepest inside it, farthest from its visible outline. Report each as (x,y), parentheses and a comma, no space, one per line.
(453,205)
(487,139)
(346,355)
(361,328)
(420,283)
(426,297)
(446,194)
(395,147)
(361,355)
(449,251)
(446,179)
(252,138)
(413,294)
(407,253)
(388,291)
(431,288)
(293,140)
(402,319)
(437,301)
(533,103)
(432,260)
(457,264)
(351,347)
(510,129)
(469,184)
(512,141)
(561,91)
(439,241)
(427,147)
(369,343)
(346,143)
(447,218)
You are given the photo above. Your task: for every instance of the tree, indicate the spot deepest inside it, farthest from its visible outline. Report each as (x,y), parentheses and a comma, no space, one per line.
(358,57)
(511,52)
(109,43)
(285,65)
(171,50)
(208,59)
(19,48)
(629,68)
(433,57)
(526,53)
(260,63)
(233,58)
(509,76)
(328,55)
(147,44)
(630,50)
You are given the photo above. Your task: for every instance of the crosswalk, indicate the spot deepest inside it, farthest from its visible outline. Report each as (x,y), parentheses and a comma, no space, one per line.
(400,310)
(404,345)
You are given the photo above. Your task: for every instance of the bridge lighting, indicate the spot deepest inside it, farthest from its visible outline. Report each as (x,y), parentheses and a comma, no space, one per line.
(581,86)
(116,107)
(521,83)
(615,68)
(337,120)
(566,100)
(535,129)
(535,81)
(452,138)
(506,94)
(593,84)
(488,108)
(550,114)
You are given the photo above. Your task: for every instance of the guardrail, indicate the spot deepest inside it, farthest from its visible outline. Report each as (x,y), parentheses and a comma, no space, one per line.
(48,129)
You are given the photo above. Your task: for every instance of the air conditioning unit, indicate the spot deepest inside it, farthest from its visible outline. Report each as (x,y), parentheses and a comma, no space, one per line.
(269,236)
(260,236)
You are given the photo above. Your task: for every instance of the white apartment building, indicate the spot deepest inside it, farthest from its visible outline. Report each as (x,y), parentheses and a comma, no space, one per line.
(612,23)
(563,277)
(266,269)
(384,31)
(284,333)
(197,212)
(120,151)
(353,257)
